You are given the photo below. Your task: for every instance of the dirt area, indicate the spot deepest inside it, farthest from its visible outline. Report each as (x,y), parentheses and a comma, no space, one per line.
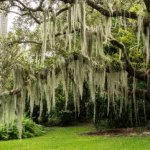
(120,132)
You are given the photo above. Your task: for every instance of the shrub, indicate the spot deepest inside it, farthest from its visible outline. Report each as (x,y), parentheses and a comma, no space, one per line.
(62,118)
(54,119)
(67,118)
(102,124)
(30,129)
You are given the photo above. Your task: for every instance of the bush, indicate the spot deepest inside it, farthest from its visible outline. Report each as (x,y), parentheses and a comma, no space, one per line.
(67,118)
(102,124)
(54,119)
(112,120)
(30,129)
(62,118)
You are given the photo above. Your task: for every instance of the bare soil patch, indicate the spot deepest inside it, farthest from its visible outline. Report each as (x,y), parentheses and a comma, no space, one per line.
(120,132)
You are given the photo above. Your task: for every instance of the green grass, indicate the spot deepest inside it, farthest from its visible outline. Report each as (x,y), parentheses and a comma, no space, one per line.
(69,138)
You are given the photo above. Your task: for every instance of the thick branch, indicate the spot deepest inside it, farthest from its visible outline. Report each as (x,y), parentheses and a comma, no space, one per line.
(105,12)
(11,92)
(26,8)
(62,10)
(142,75)
(108,13)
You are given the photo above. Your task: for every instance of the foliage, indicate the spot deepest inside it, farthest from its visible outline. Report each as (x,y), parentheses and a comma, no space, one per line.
(115,119)
(61,118)
(67,118)
(53,120)
(30,129)
(70,49)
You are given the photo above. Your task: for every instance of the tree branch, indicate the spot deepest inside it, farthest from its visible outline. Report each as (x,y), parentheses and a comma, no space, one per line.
(24,42)
(11,92)
(26,8)
(34,18)
(62,10)
(141,75)
(107,13)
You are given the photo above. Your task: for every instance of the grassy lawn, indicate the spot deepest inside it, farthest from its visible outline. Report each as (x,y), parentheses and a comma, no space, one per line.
(69,138)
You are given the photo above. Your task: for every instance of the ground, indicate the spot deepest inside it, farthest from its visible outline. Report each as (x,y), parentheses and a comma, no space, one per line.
(71,138)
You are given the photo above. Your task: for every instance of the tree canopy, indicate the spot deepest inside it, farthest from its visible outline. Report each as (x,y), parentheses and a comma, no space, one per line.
(70,42)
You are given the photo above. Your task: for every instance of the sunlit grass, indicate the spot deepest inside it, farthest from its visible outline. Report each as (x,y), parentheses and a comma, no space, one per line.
(70,138)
